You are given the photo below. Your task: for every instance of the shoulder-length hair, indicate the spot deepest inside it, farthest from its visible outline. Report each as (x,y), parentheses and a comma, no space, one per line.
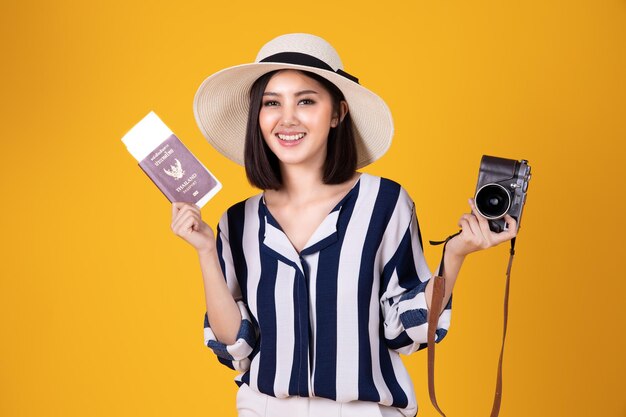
(262,165)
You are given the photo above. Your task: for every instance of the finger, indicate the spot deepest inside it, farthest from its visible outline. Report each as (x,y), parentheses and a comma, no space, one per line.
(468,237)
(185,226)
(194,208)
(184,208)
(511,223)
(510,232)
(466,230)
(190,225)
(471,227)
(181,219)
(176,221)
(473,221)
(176,205)
(483,223)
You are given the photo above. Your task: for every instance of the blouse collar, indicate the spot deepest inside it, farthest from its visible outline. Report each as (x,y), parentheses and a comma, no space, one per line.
(326,233)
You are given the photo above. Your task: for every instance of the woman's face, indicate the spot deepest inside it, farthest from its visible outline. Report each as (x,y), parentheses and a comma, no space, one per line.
(295,118)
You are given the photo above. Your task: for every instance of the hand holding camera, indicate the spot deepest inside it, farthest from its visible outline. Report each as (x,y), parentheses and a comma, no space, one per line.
(497,205)
(476,234)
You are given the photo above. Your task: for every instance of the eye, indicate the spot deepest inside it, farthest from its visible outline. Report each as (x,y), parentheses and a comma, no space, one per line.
(270,103)
(307,101)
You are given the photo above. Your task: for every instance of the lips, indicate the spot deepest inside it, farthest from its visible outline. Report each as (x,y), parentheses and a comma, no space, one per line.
(290,139)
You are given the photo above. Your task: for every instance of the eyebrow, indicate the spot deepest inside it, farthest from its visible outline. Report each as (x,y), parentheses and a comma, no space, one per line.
(299,93)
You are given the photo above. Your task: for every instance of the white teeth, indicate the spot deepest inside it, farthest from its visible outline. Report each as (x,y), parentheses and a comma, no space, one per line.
(291,137)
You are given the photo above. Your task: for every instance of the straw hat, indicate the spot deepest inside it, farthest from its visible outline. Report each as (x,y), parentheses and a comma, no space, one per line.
(222,101)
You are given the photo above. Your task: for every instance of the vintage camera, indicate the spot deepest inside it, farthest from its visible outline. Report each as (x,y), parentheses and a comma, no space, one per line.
(501,189)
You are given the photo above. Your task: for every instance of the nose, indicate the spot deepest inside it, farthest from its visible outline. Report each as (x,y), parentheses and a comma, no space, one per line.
(288,117)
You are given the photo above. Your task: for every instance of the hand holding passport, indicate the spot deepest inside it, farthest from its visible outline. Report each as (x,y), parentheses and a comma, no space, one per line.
(188,224)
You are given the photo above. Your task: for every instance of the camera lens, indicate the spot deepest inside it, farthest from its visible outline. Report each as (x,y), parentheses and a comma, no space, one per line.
(492,201)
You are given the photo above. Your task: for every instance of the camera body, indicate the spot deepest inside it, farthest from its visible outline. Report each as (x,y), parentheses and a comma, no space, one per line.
(501,189)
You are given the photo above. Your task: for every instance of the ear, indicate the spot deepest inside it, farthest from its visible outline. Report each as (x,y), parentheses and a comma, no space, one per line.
(343,110)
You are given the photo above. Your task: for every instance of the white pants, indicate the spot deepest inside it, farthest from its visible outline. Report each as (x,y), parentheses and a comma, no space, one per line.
(251,403)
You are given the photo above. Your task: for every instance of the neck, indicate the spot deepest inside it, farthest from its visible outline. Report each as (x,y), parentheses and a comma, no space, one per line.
(301,183)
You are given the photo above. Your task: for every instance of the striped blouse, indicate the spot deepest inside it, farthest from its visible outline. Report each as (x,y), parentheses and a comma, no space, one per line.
(331,320)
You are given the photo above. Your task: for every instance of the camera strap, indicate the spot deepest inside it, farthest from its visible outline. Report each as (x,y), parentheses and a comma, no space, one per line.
(436,305)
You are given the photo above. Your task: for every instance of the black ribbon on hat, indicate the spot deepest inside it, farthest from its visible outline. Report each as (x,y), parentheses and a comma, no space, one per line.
(299,58)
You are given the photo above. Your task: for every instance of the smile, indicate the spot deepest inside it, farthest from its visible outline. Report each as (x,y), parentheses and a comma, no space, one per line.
(290,137)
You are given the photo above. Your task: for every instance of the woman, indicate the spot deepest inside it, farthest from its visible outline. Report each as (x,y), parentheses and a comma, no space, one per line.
(316,285)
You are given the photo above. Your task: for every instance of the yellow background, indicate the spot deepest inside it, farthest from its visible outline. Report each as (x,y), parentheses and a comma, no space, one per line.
(101,305)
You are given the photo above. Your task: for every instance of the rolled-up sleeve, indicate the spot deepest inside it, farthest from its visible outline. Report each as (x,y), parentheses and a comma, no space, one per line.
(405,276)
(235,355)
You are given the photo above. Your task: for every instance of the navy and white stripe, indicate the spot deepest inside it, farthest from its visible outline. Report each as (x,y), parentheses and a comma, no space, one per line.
(331,320)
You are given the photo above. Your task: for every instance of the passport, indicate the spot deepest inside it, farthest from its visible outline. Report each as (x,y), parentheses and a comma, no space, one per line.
(168,163)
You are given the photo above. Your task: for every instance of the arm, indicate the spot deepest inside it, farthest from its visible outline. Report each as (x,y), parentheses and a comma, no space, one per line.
(228,330)
(407,287)
(221,308)
(228,327)
(406,301)
(452,265)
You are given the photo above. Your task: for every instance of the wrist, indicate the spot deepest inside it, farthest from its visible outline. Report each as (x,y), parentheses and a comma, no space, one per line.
(207,252)
(453,250)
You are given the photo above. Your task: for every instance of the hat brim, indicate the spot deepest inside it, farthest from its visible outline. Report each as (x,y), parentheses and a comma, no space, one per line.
(221,106)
